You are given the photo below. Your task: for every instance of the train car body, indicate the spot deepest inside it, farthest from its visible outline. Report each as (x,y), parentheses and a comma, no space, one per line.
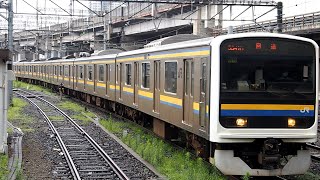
(248,100)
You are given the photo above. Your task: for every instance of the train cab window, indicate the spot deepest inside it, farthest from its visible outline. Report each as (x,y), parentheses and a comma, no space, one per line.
(90,72)
(66,71)
(128,74)
(80,72)
(101,73)
(145,75)
(171,77)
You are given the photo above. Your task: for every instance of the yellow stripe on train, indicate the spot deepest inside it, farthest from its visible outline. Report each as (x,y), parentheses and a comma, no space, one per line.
(126,89)
(146,94)
(171,100)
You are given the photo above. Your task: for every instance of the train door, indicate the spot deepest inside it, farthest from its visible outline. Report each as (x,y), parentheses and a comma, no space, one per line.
(73,74)
(156,91)
(94,77)
(203,92)
(69,75)
(85,76)
(120,81)
(107,78)
(77,75)
(136,83)
(188,91)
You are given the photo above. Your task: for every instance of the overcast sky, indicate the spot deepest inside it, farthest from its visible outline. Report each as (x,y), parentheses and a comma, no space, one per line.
(22,21)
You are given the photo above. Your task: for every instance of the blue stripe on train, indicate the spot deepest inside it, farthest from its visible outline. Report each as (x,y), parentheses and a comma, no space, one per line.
(170,104)
(265,113)
(146,98)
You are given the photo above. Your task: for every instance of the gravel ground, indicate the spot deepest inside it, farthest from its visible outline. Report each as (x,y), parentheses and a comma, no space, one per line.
(39,159)
(134,168)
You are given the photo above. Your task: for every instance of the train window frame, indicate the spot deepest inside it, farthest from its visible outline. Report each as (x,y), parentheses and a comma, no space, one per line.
(81,71)
(90,66)
(99,73)
(164,89)
(142,82)
(128,76)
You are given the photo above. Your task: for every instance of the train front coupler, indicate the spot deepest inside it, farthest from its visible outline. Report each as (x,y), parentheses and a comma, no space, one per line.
(269,157)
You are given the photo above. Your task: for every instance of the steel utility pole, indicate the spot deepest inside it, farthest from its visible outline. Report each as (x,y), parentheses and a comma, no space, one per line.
(6,85)
(279,16)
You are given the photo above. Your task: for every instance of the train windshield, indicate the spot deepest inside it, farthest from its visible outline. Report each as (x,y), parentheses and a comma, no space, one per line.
(267,69)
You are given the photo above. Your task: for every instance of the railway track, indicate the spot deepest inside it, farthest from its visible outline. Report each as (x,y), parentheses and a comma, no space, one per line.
(314,147)
(85,159)
(114,115)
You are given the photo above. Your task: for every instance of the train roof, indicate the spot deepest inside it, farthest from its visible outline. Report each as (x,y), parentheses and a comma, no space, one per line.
(179,45)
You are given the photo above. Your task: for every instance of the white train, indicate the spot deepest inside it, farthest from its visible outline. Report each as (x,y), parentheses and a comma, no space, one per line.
(248,102)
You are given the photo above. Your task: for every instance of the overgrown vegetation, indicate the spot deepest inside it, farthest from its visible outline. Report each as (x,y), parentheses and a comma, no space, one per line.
(23,85)
(3,166)
(71,106)
(15,114)
(172,163)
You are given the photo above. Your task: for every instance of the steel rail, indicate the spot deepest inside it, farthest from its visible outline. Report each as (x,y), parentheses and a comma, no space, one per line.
(106,157)
(70,162)
(313,146)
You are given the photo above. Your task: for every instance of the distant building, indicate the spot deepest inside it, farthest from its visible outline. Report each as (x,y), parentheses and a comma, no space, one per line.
(99,6)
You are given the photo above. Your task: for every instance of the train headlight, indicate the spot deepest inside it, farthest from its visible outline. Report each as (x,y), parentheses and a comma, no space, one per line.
(241,122)
(291,122)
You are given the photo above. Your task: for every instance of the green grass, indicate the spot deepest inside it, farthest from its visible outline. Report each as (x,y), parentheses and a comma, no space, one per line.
(15,114)
(308,176)
(167,160)
(3,166)
(15,111)
(71,106)
(23,85)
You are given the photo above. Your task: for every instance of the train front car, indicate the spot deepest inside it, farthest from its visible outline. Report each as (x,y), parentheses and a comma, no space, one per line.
(267,106)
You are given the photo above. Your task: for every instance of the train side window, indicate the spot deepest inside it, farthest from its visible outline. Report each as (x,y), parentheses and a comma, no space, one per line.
(101,73)
(81,72)
(145,75)
(34,68)
(60,70)
(128,74)
(192,78)
(117,75)
(90,72)
(66,71)
(171,77)
(203,78)
(108,72)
